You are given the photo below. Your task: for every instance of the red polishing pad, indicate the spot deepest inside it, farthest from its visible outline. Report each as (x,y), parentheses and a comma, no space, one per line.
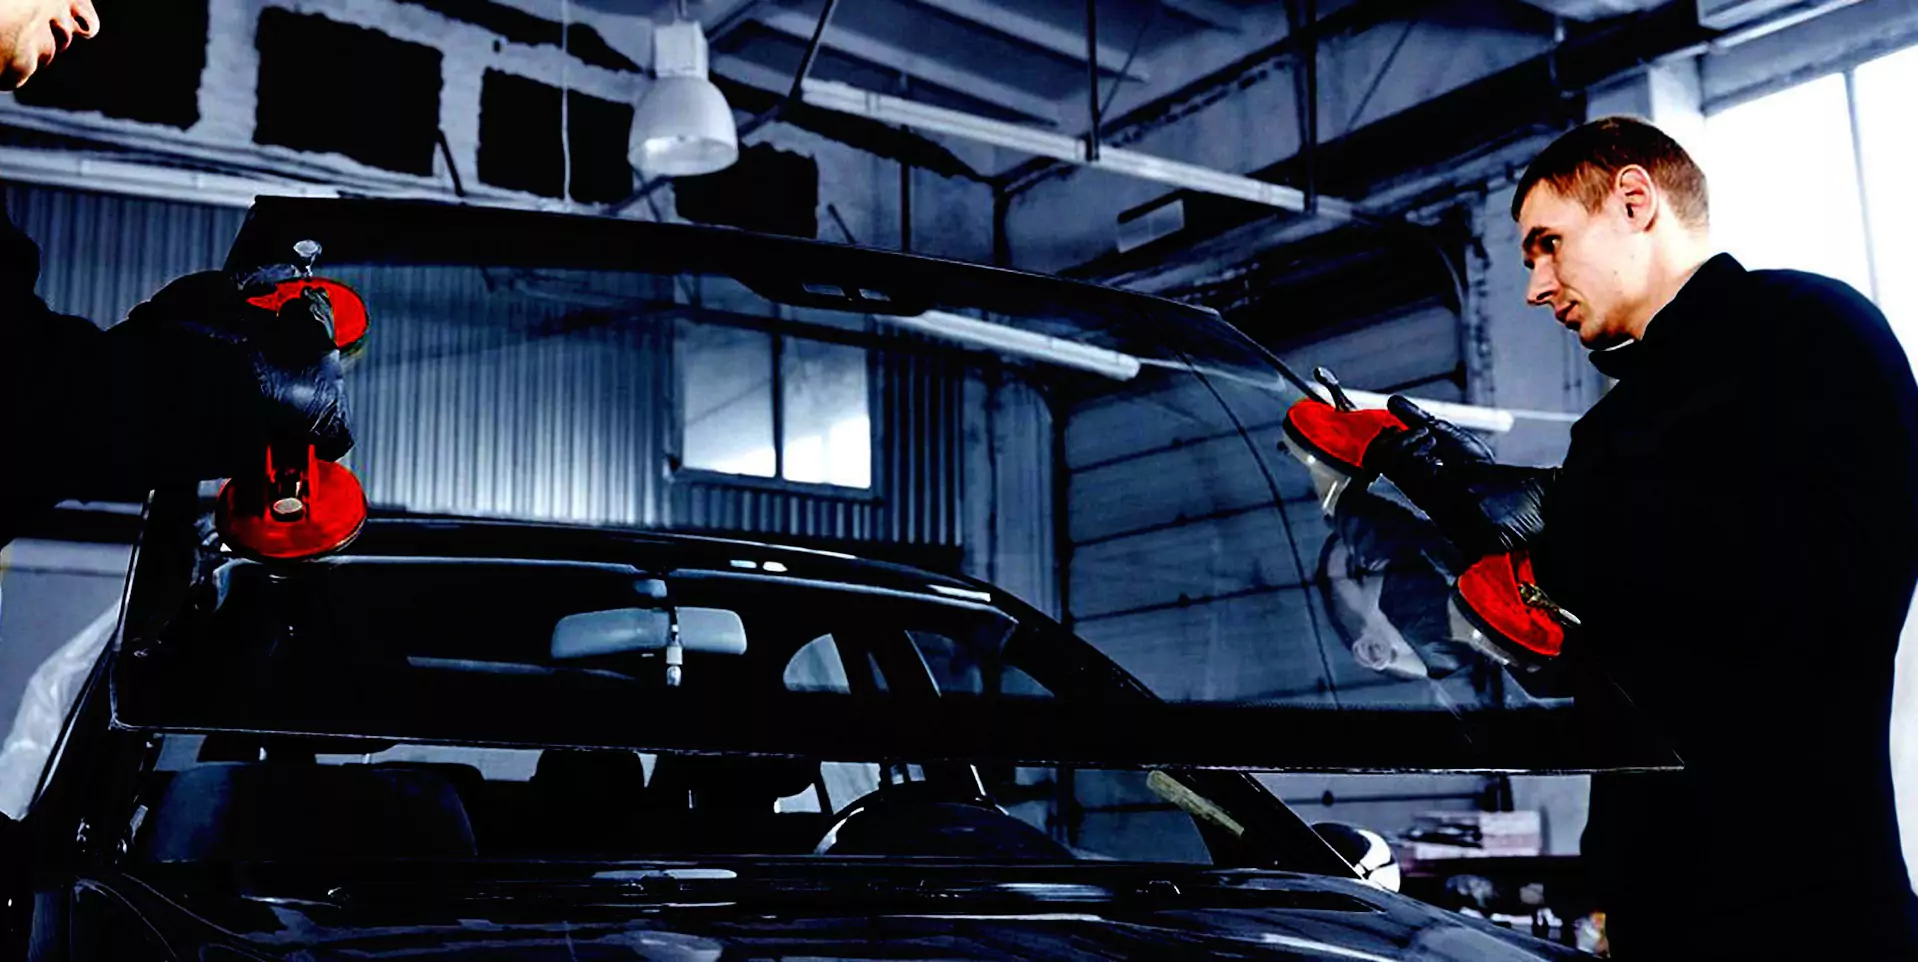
(272,517)
(349,309)
(1339,438)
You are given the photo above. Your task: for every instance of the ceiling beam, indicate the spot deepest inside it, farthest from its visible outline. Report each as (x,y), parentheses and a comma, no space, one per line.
(1050,37)
(844,98)
(721,17)
(1212,13)
(1467,135)
(1169,108)
(754,87)
(939,73)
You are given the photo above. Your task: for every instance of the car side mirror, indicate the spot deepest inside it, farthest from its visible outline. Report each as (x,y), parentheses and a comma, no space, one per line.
(1365,850)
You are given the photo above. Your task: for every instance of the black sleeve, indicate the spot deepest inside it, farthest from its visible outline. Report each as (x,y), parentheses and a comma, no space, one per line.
(87,413)
(1851,422)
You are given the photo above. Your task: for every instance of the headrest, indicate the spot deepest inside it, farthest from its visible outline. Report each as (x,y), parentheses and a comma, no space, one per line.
(598,771)
(241,747)
(726,777)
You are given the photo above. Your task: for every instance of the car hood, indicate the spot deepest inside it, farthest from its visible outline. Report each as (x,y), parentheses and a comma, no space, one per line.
(848,912)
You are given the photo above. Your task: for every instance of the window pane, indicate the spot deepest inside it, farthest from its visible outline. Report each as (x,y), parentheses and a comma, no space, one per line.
(1784,185)
(828,414)
(1890,144)
(726,384)
(816,667)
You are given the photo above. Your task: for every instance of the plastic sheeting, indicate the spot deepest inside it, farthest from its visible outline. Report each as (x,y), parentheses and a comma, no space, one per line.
(43,710)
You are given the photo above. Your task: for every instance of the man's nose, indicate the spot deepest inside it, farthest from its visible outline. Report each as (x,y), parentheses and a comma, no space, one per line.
(86,20)
(1540,288)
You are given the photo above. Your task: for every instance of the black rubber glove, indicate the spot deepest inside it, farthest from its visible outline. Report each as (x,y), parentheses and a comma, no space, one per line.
(260,375)
(1483,507)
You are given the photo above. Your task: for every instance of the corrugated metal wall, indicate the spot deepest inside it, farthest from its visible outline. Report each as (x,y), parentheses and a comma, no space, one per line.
(483,403)
(473,399)
(477,401)
(1009,493)
(101,254)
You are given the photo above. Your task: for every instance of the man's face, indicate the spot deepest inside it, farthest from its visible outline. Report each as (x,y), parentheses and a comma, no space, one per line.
(33,32)
(1588,266)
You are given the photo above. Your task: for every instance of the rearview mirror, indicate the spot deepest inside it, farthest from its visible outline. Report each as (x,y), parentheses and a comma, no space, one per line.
(713,631)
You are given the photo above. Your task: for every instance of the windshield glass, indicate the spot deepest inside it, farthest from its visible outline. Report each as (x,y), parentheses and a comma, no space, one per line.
(513,688)
(1133,474)
(1112,469)
(245,798)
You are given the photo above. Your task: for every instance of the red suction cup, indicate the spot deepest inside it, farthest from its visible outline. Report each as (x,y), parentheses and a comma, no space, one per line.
(1338,438)
(350,320)
(305,510)
(1500,596)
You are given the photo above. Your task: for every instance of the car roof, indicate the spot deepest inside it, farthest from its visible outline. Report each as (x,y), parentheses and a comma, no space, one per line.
(646,549)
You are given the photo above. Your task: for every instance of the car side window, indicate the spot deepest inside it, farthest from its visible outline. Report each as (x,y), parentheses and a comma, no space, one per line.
(959,668)
(817,667)
(842,782)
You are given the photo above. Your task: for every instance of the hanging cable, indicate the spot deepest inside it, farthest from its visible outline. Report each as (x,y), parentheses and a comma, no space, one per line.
(565,102)
(1112,92)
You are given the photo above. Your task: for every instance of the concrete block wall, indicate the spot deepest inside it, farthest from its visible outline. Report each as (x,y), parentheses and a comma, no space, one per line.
(951,218)
(227,93)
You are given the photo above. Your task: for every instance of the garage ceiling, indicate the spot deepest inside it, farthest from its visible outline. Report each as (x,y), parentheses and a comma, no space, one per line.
(1023,61)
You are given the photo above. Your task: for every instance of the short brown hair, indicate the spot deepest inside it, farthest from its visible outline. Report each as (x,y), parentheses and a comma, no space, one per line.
(1584,163)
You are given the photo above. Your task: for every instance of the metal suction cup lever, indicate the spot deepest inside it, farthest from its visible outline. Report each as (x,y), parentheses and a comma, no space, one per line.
(1325,376)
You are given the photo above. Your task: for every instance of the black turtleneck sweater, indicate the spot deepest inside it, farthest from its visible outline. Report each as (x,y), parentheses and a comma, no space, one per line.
(1737,524)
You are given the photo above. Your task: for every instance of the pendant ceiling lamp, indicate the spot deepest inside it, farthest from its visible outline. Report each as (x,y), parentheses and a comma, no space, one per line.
(683,127)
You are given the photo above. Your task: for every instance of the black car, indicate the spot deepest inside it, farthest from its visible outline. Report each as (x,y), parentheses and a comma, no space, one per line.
(496,739)
(435,745)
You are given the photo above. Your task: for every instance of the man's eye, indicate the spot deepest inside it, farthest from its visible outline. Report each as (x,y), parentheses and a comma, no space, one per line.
(1549,245)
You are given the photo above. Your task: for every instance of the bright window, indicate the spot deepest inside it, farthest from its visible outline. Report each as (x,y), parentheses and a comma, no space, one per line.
(818,432)
(1817,177)
(1784,183)
(1889,141)
(727,399)
(828,425)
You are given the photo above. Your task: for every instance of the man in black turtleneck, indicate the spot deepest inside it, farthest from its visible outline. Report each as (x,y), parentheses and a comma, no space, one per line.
(1736,527)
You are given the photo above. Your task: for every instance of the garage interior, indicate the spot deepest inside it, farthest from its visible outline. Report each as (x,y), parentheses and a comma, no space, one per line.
(1332,177)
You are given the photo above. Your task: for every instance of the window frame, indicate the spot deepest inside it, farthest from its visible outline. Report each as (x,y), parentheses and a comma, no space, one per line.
(678,473)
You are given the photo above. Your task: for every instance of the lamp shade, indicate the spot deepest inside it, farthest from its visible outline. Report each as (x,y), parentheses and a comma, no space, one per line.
(683,127)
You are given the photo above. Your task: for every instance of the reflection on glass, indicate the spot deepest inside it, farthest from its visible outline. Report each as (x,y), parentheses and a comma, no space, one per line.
(828,427)
(1889,145)
(1784,183)
(726,389)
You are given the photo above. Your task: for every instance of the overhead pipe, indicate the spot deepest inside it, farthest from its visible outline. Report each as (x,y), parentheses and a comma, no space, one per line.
(83,172)
(1122,366)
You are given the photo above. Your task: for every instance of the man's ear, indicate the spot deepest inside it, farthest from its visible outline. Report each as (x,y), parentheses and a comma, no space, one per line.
(1637,195)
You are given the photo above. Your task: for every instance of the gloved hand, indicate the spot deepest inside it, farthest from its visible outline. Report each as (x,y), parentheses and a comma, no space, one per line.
(260,374)
(1483,507)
